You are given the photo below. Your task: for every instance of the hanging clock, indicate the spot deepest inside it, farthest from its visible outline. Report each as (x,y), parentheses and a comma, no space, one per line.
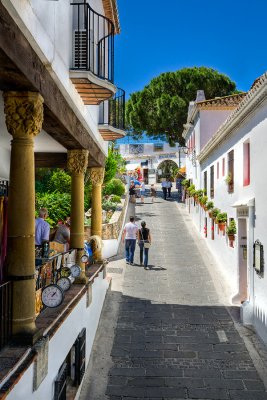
(52,296)
(84,258)
(75,270)
(64,283)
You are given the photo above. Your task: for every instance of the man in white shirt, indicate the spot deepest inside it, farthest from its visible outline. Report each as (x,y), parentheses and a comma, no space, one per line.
(164,186)
(129,236)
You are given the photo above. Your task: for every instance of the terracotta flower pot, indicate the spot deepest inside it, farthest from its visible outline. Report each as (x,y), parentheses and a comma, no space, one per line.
(221,226)
(231,236)
(210,214)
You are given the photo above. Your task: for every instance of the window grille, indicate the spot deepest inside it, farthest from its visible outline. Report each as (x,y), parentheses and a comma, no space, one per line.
(80,346)
(212,181)
(231,171)
(61,383)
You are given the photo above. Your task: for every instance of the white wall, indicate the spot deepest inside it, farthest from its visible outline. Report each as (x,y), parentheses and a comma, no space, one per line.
(61,343)
(254,129)
(38,20)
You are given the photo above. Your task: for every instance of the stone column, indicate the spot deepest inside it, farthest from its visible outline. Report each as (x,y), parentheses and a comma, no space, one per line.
(77,165)
(97,177)
(24,118)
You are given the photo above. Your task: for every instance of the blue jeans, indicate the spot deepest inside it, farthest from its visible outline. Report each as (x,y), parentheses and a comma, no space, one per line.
(143,251)
(129,249)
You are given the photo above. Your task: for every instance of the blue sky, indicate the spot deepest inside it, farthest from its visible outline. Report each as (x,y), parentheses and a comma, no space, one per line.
(159,36)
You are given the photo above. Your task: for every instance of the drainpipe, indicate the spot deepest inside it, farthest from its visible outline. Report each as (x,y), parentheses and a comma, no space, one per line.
(247,309)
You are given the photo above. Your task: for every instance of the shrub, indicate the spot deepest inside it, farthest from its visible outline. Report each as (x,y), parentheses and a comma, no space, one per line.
(210,205)
(115,198)
(221,217)
(231,229)
(60,182)
(215,212)
(109,205)
(115,186)
(57,204)
(185,183)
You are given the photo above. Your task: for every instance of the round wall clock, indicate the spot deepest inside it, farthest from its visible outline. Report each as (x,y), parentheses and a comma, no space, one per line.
(52,296)
(84,258)
(64,283)
(75,270)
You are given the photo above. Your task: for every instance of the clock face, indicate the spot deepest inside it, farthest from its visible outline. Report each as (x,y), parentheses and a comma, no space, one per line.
(64,283)
(84,258)
(52,296)
(75,270)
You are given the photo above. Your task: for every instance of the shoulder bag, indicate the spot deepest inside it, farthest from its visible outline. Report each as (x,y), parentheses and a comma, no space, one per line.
(146,244)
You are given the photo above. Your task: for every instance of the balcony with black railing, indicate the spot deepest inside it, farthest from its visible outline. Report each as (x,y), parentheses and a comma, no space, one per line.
(112,117)
(92,69)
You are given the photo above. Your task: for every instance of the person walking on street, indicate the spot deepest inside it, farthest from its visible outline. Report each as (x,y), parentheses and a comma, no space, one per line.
(169,187)
(153,192)
(129,236)
(144,241)
(164,189)
(143,192)
(132,192)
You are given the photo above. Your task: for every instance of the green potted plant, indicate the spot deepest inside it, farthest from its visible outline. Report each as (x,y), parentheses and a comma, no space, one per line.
(186,183)
(221,220)
(203,202)
(231,230)
(215,212)
(210,206)
(228,178)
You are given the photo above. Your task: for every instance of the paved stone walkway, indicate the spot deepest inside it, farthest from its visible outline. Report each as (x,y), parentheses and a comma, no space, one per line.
(173,337)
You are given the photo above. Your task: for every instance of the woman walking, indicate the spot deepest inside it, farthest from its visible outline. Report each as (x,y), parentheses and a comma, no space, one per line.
(144,240)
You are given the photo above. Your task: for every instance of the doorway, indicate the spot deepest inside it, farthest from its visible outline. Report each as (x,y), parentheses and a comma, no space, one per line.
(242,259)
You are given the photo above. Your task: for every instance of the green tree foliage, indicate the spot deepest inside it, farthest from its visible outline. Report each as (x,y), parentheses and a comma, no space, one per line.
(114,164)
(161,107)
(115,186)
(57,204)
(60,182)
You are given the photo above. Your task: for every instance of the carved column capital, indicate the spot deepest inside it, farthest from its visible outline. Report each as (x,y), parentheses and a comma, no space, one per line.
(24,114)
(97,175)
(77,161)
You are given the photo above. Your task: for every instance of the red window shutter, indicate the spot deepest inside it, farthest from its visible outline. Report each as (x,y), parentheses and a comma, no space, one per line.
(218,170)
(246,164)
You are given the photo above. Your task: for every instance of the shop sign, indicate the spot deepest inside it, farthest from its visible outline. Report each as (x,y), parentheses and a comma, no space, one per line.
(242,212)
(169,155)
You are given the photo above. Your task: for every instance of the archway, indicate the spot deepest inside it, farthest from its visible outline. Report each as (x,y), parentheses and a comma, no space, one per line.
(166,169)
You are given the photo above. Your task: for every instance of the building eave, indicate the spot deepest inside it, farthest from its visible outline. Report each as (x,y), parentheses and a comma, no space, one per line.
(111,12)
(250,102)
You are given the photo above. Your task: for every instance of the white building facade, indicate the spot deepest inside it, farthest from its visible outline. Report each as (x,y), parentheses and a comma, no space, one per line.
(149,155)
(230,166)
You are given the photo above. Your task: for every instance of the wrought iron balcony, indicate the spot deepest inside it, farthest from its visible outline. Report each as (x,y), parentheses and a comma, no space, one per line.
(112,117)
(92,70)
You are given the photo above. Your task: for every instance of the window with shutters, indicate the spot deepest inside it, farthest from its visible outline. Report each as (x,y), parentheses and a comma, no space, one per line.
(218,170)
(80,346)
(61,383)
(205,182)
(212,181)
(246,164)
(230,177)
(223,166)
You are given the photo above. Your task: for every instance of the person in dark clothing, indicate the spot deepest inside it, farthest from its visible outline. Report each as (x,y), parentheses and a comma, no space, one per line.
(144,241)
(132,192)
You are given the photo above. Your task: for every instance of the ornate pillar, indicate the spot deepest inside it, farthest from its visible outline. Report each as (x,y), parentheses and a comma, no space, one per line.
(77,165)
(24,118)
(97,177)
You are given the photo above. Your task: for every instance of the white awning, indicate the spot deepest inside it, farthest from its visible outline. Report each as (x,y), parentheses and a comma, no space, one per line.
(244,203)
(132,167)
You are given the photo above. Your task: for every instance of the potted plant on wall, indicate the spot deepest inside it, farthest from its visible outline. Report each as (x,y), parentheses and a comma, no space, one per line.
(203,202)
(231,231)
(215,212)
(221,220)
(210,206)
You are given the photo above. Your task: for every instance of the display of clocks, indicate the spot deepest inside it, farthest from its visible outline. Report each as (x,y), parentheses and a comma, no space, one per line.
(52,296)
(64,283)
(75,270)
(84,258)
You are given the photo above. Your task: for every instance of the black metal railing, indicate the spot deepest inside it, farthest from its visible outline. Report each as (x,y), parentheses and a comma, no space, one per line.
(5,313)
(112,112)
(93,42)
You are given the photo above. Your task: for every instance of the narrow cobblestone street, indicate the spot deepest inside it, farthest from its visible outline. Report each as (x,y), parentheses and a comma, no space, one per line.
(169,333)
